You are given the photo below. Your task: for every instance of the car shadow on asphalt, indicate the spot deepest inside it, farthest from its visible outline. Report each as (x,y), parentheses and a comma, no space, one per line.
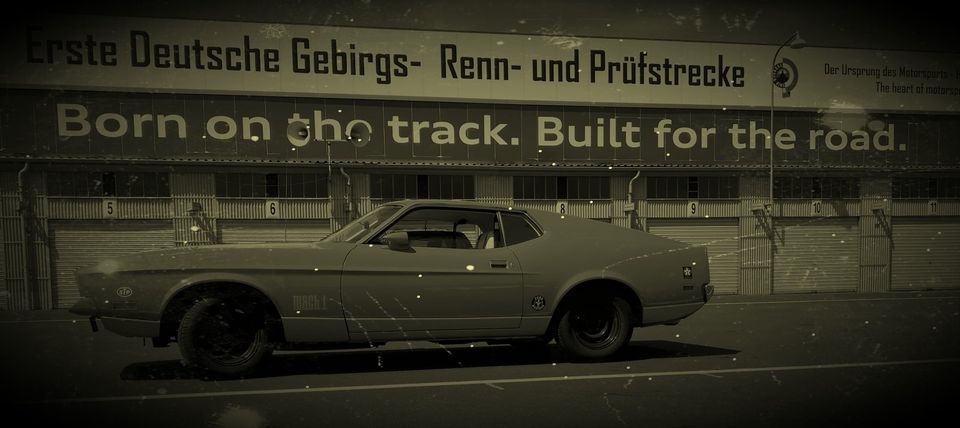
(375,360)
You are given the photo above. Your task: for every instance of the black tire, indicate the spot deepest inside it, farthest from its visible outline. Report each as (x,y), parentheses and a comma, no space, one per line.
(595,327)
(223,337)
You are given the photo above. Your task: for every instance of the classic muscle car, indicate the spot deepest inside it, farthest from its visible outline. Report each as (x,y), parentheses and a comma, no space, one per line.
(442,271)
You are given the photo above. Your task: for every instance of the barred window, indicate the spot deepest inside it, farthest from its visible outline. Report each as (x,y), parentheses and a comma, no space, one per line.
(701,187)
(816,188)
(926,188)
(271,185)
(109,183)
(577,187)
(411,186)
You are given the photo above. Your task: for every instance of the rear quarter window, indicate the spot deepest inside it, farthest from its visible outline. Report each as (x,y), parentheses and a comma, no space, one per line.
(517,228)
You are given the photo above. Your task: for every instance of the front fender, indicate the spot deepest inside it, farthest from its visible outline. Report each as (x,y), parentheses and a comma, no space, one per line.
(210,278)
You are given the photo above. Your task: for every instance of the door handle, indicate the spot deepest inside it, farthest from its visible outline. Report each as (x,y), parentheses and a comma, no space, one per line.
(501,264)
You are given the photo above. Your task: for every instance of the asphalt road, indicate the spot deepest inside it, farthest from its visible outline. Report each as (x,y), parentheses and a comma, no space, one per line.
(802,360)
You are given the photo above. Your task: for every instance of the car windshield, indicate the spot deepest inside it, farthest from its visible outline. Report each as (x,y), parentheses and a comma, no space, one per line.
(356,229)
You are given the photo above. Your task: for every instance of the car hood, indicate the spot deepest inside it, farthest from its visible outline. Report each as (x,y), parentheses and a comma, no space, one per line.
(226,256)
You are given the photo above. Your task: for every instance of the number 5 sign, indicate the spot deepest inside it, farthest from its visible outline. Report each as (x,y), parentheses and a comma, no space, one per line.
(108,208)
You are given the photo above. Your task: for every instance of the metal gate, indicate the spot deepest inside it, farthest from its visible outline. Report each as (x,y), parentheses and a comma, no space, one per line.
(78,244)
(261,231)
(820,254)
(926,253)
(720,236)
(3,264)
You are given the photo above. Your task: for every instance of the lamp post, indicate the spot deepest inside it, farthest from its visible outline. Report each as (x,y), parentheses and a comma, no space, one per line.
(779,77)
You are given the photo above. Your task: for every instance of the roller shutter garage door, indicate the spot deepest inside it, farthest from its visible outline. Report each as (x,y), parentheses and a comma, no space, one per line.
(816,255)
(78,244)
(720,236)
(926,253)
(4,293)
(263,231)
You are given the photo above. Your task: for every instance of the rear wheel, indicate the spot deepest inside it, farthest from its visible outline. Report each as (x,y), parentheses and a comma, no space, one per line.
(595,327)
(224,337)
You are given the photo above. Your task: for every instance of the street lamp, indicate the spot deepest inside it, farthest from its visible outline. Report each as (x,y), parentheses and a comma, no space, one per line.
(779,77)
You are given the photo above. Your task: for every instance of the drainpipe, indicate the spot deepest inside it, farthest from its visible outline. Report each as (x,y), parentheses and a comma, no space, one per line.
(330,187)
(25,232)
(631,206)
(348,196)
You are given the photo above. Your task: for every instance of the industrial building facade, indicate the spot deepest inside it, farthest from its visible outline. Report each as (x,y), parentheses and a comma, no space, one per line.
(864,199)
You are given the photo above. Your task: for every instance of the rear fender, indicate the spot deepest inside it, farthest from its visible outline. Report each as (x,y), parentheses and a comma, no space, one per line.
(594,275)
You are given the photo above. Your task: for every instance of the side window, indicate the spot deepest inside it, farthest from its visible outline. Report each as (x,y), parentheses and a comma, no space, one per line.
(448,228)
(517,229)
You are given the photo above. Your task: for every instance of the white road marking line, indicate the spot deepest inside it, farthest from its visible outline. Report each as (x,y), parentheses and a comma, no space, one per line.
(75,321)
(490,382)
(495,386)
(878,299)
(84,320)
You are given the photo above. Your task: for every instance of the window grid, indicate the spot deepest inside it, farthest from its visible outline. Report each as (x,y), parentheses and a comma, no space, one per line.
(816,188)
(272,185)
(576,187)
(693,187)
(108,184)
(926,188)
(410,186)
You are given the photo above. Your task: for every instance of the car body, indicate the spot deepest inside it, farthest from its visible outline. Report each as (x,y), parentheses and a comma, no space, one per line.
(444,271)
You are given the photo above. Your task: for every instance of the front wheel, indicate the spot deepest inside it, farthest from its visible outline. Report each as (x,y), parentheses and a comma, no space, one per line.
(595,327)
(223,337)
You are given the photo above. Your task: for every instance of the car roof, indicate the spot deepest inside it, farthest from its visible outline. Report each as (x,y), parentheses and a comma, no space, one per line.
(545,220)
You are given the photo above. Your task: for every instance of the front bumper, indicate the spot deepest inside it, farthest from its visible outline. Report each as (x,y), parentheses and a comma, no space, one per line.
(84,307)
(130,327)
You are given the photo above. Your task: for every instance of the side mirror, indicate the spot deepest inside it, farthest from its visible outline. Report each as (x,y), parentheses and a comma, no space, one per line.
(398,241)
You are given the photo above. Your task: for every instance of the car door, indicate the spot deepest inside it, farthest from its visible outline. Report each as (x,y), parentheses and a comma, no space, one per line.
(438,283)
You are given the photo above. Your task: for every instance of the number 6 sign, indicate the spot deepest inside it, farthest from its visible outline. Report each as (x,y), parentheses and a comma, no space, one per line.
(273,208)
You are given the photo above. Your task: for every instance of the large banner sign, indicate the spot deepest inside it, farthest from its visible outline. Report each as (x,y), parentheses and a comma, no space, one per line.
(186,56)
(252,128)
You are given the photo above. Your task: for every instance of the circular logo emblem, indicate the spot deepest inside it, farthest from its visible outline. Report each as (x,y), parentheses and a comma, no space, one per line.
(538,303)
(786,75)
(124,292)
